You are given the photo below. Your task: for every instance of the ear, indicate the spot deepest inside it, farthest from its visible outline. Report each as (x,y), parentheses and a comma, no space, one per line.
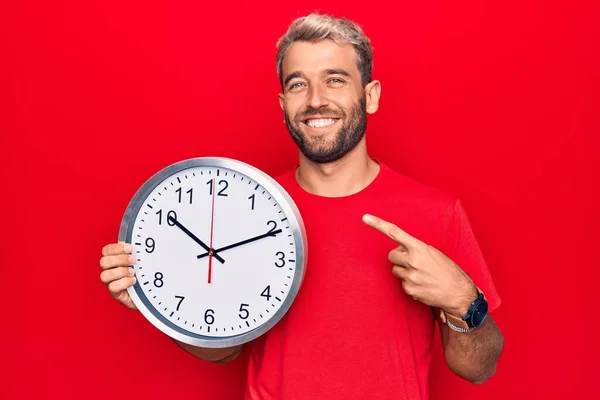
(281,100)
(372,94)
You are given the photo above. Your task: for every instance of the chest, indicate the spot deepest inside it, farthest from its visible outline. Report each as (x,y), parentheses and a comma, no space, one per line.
(348,266)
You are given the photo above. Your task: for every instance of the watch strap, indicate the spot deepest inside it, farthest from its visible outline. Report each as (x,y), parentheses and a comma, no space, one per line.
(458,328)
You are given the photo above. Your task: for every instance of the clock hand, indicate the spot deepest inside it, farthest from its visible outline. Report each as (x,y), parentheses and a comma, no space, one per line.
(231,246)
(200,242)
(212,221)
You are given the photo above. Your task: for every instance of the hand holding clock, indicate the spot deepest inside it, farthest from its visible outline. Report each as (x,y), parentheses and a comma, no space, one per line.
(427,274)
(117,273)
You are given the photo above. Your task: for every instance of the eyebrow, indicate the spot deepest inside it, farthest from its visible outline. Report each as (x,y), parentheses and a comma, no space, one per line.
(291,76)
(337,72)
(298,74)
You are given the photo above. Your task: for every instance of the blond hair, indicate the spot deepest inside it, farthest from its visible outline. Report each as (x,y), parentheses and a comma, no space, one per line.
(317,27)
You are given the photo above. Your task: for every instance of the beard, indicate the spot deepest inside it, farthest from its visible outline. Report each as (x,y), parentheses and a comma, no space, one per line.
(346,138)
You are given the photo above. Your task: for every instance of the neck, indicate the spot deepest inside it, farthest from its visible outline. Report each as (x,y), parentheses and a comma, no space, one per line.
(346,176)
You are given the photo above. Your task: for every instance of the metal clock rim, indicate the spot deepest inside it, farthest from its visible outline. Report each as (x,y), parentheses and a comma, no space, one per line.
(283,199)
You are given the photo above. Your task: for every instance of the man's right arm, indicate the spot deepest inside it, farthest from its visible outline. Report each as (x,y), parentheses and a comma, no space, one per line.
(118,275)
(218,356)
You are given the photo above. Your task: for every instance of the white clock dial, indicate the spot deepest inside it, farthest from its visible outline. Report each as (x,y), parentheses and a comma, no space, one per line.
(248,279)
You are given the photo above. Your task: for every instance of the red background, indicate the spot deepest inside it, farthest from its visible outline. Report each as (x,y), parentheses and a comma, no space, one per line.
(494,103)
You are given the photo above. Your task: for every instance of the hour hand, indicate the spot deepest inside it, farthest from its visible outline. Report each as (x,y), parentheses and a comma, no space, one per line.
(195,238)
(231,246)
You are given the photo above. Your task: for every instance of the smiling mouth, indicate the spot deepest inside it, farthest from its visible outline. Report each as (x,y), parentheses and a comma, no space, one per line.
(320,122)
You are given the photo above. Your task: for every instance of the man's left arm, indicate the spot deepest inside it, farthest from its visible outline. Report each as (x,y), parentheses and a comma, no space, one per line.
(472,355)
(431,277)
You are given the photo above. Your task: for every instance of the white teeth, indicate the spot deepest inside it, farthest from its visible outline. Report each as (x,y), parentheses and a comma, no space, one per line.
(320,123)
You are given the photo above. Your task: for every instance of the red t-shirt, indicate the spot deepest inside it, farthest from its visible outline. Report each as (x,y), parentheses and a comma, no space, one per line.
(352,332)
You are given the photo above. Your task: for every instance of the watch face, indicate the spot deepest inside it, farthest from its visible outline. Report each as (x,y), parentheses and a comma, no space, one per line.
(219,249)
(480,313)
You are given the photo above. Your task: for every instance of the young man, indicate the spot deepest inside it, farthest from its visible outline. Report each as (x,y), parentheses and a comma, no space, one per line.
(363,323)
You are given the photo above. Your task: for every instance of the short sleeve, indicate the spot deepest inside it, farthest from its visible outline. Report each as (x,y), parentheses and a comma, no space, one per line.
(463,249)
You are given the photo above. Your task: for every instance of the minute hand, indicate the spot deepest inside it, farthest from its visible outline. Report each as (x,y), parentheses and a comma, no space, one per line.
(231,246)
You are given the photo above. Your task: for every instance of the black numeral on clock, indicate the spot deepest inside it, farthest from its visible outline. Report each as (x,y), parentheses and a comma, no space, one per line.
(150,245)
(274,226)
(251,198)
(171,217)
(190,192)
(267,293)
(221,192)
(281,258)
(244,313)
(180,300)
(158,279)
(209,316)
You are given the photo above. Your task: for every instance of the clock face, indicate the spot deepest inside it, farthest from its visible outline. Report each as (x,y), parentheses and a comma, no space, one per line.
(219,250)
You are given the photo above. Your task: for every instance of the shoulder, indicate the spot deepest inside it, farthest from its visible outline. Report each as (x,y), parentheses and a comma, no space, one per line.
(422,210)
(409,189)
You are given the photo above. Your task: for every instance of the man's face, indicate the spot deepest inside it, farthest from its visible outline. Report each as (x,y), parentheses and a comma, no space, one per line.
(323,99)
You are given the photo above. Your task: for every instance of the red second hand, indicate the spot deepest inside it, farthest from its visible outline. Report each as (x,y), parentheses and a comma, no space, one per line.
(212,220)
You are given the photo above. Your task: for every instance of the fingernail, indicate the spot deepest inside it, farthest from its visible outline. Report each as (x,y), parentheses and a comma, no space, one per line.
(131,260)
(134,280)
(127,248)
(131,271)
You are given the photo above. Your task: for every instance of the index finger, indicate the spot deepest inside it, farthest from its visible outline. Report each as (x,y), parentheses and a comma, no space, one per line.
(391,230)
(114,249)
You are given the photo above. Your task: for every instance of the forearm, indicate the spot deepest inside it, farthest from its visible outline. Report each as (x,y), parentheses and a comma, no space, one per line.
(473,355)
(218,356)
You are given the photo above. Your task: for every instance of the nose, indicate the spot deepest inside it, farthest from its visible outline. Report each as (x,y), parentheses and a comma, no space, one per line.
(317,96)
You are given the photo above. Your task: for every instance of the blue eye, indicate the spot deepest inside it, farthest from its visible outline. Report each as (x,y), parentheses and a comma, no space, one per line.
(336,81)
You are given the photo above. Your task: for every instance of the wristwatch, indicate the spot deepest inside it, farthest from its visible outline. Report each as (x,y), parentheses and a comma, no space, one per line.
(472,319)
